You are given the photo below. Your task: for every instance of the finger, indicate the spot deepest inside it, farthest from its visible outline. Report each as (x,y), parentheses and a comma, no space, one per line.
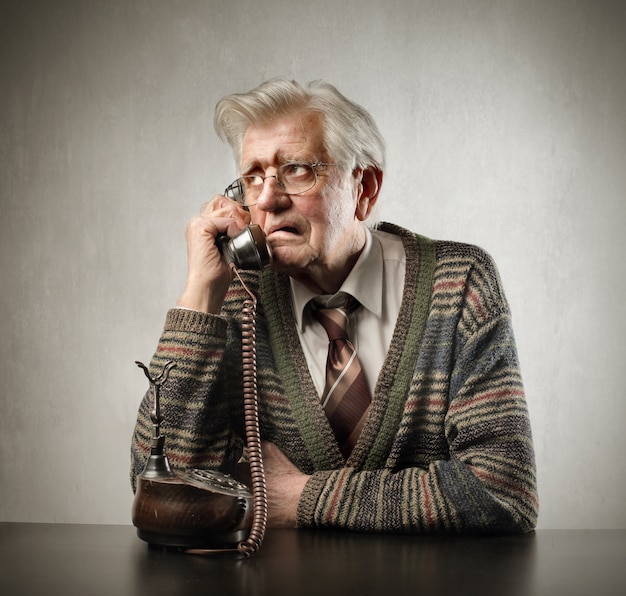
(221,203)
(220,206)
(210,206)
(268,447)
(205,208)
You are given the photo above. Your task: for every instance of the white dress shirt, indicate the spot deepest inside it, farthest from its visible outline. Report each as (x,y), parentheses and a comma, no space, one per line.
(377,282)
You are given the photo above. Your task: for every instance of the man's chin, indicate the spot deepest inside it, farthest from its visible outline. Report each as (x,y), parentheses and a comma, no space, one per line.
(285,261)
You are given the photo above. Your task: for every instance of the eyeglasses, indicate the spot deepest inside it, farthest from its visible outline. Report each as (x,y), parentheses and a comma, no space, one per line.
(293,178)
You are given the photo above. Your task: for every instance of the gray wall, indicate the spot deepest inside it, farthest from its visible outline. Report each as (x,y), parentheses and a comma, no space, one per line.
(505,125)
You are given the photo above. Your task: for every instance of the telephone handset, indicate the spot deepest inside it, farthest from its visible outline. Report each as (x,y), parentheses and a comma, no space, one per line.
(204,511)
(246,250)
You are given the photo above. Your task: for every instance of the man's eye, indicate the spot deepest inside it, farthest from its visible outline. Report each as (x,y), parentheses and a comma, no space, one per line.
(255,180)
(297,169)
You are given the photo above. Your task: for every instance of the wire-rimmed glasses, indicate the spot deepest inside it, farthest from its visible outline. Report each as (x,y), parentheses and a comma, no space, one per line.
(293,178)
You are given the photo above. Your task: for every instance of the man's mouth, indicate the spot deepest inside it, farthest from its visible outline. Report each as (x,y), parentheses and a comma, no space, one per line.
(283,229)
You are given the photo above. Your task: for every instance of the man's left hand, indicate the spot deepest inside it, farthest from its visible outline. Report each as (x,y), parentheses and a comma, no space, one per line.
(284,486)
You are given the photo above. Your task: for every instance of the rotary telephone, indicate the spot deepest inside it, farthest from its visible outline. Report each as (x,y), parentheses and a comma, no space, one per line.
(205,511)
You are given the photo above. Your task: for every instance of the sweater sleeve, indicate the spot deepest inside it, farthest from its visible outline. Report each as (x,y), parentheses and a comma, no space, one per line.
(200,402)
(486,481)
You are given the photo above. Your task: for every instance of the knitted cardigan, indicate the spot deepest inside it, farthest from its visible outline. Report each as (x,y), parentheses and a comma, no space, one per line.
(447,445)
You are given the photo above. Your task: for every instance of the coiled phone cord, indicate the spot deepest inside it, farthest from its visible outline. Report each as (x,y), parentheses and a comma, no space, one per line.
(251,419)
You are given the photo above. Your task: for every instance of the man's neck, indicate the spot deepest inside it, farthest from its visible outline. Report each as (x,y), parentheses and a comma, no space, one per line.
(325,280)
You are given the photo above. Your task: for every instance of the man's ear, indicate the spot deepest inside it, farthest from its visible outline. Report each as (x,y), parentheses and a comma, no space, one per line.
(371,181)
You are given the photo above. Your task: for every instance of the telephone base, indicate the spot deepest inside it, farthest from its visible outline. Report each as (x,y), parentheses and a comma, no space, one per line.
(200,509)
(181,542)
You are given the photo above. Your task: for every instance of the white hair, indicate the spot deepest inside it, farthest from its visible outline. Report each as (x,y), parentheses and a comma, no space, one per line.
(350,133)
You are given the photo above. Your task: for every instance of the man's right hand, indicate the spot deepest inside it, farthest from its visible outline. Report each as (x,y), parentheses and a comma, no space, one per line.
(208,274)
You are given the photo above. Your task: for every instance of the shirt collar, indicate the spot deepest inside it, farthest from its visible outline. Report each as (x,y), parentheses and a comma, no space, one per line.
(364,282)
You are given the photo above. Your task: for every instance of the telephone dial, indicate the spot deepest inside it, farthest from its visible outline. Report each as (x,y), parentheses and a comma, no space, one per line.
(205,511)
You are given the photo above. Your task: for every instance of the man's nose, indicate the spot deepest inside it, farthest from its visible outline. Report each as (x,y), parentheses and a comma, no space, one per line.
(272,194)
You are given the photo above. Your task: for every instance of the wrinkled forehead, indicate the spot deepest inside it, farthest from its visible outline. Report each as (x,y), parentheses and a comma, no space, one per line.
(296,136)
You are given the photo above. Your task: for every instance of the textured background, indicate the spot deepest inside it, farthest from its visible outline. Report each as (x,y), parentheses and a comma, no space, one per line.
(505,127)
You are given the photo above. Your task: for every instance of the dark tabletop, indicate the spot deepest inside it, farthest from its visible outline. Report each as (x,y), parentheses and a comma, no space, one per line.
(101,559)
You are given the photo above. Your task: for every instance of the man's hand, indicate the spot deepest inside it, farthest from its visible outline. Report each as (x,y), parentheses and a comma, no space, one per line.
(284,487)
(208,275)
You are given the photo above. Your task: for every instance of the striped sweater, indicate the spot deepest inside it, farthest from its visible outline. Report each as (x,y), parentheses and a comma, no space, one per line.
(447,445)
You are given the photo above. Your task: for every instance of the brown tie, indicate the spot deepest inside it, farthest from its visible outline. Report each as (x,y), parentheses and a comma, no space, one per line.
(346,398)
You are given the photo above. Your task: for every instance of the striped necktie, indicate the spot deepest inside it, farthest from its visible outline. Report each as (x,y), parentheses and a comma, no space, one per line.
(346,398)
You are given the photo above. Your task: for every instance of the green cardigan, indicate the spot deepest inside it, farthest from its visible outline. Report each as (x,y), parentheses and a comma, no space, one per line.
(447,445)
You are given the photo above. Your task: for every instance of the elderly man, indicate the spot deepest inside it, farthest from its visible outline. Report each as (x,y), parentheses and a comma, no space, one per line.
(425,426)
